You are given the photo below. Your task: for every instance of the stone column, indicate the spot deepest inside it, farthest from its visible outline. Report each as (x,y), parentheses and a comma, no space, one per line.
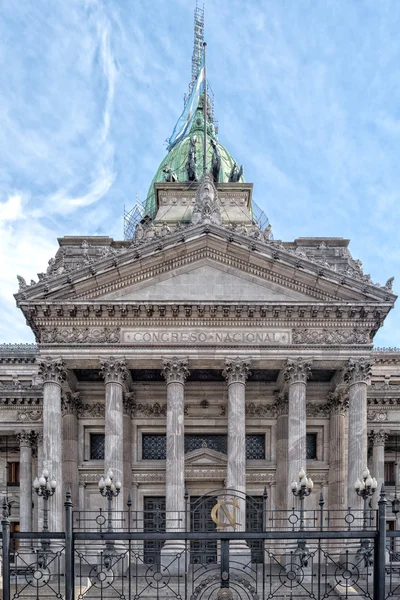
(175,372)
(236,372)
(129,401)
(282,464)
(357,375)
(71,405)
(39,465)
(296,373)
(378,439)
(54,373)
(338,404)
(114,372)
(26,441)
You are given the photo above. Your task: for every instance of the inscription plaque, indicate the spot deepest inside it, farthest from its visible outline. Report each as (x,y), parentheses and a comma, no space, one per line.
(205,337)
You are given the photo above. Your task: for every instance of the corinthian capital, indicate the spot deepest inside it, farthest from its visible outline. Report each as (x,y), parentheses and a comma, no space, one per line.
(175,370)
(338,403)
(52,370)
(357,371)
(71,403)
(378,438)
(236,370)
(297,370)
(113,370)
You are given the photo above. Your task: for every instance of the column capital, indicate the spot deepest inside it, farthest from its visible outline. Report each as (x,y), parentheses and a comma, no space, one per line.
(236,370)
(27,438)
(378,437)
(129,403)
(113,370)
(296,370)
(52,370)
(357,371)
(175,370)
(71,403)
(338,402)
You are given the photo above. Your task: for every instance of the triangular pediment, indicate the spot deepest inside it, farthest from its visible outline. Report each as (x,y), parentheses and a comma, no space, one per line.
(207,281)
(205,456)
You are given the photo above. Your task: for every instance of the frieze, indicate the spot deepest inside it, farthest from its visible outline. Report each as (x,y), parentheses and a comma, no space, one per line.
(80,335)
(385,401)
(200,336)
(384,386)
(318,410)
(149,410)
(28,416)
(332,336)
(93,411)
(261,410)
(381,415)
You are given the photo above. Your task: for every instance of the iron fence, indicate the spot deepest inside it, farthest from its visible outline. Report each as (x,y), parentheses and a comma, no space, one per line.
(151,555)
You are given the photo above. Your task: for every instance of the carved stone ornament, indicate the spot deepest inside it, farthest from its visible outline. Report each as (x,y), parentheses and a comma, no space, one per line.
(52,370)
(297,370)
(236,370)
(149,410)
(266,411)
(378,437)
(207,208)
(175,370)
(357,371)
(128,403)
(331,337)
(93,411)
(27,438)
(80,335)
(281,404)
(338,403)
(28,416)
(375,415)
(113,370)
(318,410)
(71,403)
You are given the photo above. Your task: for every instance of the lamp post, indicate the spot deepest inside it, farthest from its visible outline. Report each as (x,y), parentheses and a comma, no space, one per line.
(44,489)
(301,490)
(365,488)
(110,490)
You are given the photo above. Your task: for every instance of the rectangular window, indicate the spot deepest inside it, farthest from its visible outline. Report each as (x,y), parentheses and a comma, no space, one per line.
(255,447)
(390,478)
(214,442)
(13,473)
(97,446)
(154,447)
(311,446)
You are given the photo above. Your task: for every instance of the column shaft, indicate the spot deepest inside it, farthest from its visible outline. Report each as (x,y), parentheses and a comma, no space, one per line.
(337,460)
(25,485)
(52,450)
(175,464)
(378,439)
(282,463)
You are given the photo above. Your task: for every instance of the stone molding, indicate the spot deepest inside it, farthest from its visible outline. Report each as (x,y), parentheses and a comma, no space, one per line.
(71,403)
(80,335)
(52,370)
(128,402)
(113,370)
(281,404)
(27,438)
(13,401)
(378,437)
(318,411)
(236,370)
(29,416)
(357,371)
(338,403)
(375,415)
(389,402)
(265,411)
(175,370)
(93,411)
(332,336)
(149,410)
(297,370)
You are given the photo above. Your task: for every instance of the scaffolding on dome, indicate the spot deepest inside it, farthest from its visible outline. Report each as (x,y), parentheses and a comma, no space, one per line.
(132,218)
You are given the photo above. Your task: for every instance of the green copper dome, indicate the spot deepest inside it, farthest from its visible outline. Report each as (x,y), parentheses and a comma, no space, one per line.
(177,157)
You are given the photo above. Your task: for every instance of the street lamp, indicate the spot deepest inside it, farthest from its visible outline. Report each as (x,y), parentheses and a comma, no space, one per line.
(44,489)
(110,490)
(302,489)
(365,488)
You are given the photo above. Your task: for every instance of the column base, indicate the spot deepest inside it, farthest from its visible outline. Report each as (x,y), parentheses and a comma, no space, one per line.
(172,558)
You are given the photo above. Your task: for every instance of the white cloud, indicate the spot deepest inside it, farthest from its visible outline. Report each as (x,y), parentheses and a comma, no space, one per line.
(11,209)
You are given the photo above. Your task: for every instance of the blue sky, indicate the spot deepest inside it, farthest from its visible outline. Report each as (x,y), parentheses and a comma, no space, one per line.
(307,97)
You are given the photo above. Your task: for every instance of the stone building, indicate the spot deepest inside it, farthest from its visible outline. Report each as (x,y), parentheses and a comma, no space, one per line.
(200,354)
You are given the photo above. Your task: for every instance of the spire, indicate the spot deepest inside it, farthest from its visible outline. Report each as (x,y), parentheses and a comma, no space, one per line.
(197,44)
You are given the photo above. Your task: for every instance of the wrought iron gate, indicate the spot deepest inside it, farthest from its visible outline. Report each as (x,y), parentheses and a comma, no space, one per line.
(144,557)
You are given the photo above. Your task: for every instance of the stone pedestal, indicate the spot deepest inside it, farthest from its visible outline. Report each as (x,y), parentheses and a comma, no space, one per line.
(357,374)
(378,439)
(296,373)
(71,404)
(236,372)
(114,372)
(338,403)
(175,372)
(53,372)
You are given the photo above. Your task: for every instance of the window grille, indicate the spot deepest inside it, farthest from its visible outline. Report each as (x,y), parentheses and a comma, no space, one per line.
(154,447)
(97,446)
(214,442)
(311,446)
(153,522)
(255,447)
